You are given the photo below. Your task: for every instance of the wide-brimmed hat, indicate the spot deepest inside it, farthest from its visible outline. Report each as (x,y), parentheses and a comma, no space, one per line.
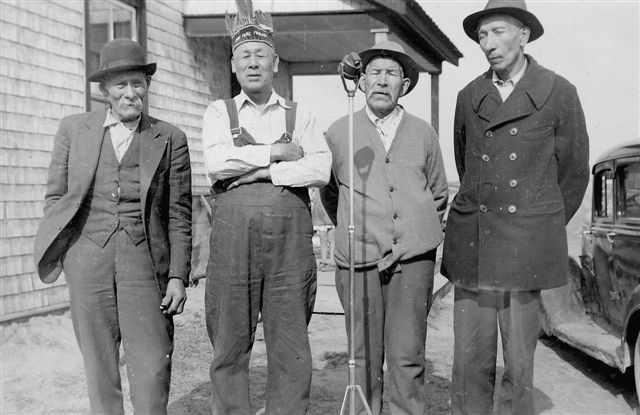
(389,49)
(515,8)
(121,55)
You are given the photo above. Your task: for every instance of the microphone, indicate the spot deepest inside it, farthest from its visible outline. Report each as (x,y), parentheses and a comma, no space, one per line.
(350,67)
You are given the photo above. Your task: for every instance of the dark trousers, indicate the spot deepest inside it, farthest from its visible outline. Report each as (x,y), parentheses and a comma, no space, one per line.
(477,315)
(391,318)
(115,298)
(261,261)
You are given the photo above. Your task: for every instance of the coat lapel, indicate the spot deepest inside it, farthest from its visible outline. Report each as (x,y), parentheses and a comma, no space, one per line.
(485,98)
(90,142)
(529,95)
(152,148)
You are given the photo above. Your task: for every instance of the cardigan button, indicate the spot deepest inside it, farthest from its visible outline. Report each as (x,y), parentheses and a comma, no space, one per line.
(489,133)
(512,209)
(391,188)
(513,131)
(386,160)
(395,216)
(485,157)
(513,183)
(513,156)
(395,241)
(483,208)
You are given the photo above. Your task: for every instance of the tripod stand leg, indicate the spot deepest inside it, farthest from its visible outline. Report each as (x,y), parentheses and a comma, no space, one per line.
(350,392)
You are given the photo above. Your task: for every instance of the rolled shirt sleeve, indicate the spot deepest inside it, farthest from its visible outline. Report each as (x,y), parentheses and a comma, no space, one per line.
(315,167)
(224,160)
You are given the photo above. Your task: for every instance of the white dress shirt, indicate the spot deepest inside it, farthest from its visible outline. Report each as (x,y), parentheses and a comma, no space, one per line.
(224,160)
(121,133)
(386,126)
(505,88)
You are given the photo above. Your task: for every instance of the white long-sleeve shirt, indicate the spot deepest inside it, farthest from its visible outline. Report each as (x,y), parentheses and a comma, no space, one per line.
(224,160)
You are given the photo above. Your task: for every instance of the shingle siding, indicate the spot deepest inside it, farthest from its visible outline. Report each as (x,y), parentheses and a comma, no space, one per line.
(42,79)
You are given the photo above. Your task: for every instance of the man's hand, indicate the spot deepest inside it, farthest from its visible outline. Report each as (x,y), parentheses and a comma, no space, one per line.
(286,152)
(174,299)
(263,173)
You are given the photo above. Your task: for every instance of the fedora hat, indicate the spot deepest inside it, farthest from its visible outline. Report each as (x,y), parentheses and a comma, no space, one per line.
(389,49)
(121,55)
(515,8)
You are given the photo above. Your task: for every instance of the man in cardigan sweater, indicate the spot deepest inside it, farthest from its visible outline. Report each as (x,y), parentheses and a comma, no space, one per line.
(400,195)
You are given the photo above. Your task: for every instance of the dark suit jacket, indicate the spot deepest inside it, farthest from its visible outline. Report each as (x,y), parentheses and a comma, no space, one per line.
(165,193)
(523,168)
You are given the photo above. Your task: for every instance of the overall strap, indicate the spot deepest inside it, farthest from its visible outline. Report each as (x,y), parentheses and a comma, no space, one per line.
(232,110)
(290,119)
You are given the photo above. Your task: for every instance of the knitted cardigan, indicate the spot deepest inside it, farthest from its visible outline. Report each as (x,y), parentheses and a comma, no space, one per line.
(399,196)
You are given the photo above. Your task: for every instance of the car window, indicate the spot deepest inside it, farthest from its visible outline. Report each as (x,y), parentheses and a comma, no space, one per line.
(603,194)
(628,182)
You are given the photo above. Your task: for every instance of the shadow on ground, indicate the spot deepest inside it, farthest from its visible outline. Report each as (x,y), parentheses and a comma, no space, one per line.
(607,377)
(327,391)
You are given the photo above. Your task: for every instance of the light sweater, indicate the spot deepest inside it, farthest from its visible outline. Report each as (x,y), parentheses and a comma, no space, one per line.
(399,196)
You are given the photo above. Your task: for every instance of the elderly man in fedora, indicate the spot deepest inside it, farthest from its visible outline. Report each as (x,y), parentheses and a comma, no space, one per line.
(400,195)
(117,221)
(521,150)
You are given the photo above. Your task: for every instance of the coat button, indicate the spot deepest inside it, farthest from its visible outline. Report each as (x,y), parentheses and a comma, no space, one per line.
(513,156)
(395,216)
(485,157)
(512,209)
(391,189)
(513,131)
(483,208)
(395,242)
(513,183)
(489,134)
(386,160)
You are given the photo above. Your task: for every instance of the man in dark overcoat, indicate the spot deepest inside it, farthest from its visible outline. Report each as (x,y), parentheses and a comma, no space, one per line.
(117,221)
(521,150)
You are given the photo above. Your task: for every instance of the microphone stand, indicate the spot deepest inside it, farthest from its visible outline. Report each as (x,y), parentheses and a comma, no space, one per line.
(352,387)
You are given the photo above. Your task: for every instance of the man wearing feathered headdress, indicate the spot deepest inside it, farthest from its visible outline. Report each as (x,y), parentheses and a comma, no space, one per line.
(261,153)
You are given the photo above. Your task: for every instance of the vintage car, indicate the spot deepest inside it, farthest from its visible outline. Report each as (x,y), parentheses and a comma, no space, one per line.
(598,312)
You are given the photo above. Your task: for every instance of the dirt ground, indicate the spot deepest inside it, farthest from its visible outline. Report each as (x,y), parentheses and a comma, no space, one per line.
(41,368)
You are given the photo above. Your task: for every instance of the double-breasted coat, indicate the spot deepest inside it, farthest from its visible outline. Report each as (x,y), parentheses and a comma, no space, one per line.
(523,169)
(165,193)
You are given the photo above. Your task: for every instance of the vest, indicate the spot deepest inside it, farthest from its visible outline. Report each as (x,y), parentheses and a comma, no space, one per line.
(113,199)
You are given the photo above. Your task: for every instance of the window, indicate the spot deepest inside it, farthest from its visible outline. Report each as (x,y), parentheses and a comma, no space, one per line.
(107,20)
(603,195)
(628,181)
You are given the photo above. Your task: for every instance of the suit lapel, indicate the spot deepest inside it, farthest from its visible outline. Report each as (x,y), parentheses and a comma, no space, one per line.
(152,148)
(90,142)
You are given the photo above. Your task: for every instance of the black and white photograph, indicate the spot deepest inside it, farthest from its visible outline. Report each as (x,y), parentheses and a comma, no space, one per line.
(288,207)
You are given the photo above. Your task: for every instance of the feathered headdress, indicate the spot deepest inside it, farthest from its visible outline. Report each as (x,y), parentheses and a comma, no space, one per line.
(249,26)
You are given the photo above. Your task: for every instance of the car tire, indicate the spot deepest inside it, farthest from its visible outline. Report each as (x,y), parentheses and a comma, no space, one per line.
(636,366)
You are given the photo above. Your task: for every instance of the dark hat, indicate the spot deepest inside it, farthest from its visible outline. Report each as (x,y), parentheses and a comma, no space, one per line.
(389,49)
(121,55)
(515,8)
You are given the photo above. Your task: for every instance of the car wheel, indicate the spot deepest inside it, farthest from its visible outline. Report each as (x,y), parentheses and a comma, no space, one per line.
(636,366)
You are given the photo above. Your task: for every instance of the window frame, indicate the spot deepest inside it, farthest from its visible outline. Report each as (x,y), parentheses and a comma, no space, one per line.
(619,191)
(607,169)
